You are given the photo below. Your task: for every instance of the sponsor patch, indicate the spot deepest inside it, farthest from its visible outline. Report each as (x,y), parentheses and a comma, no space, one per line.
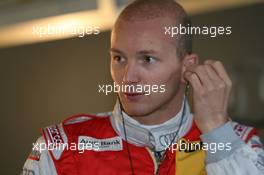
(54,134)
(242,131)
(34,155)
(108,144)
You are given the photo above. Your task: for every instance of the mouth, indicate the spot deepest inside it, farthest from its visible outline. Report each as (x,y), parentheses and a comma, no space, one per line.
(133,96)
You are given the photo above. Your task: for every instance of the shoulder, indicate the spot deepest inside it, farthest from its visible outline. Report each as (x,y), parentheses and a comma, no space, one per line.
(83,118)
(67,131)
(75,125)
(86,124)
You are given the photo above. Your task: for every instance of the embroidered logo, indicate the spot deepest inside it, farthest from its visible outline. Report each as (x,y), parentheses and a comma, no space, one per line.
(108,144)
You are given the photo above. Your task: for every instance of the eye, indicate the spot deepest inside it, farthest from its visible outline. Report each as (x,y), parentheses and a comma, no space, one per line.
(118,59)
(149,59)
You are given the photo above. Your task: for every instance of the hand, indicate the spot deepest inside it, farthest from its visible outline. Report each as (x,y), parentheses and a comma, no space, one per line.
(211,90)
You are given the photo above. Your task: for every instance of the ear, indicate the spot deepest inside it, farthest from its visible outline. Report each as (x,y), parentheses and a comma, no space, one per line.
(188,60)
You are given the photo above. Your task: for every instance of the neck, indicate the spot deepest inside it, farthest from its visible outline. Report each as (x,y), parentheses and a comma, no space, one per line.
(164,113)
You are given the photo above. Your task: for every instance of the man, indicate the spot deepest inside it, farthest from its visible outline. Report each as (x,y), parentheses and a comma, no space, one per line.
(156,133)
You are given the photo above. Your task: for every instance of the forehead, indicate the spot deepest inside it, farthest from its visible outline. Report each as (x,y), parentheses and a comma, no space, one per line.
(142,34)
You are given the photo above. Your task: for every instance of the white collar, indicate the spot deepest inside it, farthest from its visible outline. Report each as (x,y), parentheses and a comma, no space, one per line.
(156,137)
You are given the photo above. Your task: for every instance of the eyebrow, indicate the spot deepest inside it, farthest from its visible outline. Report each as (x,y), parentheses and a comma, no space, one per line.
(147,52)
(142,52)
(116,50)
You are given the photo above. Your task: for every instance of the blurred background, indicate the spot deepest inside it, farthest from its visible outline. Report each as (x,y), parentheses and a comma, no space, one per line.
(48,74)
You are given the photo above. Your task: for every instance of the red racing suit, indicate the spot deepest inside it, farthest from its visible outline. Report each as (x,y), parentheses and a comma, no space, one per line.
(110,154)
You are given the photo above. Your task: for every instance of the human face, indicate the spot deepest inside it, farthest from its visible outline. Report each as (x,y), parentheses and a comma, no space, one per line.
(141,54)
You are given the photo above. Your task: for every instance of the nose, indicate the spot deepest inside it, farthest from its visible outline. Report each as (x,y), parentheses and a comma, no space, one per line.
(131,75)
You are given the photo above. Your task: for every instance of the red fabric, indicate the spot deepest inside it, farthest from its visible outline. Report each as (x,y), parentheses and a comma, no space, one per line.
(254,131)
(110,162)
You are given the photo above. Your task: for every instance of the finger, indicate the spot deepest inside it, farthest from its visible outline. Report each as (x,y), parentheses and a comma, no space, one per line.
(216,80)
(203,76)
(193,79)
(191,70)
(224,79)
(220,70)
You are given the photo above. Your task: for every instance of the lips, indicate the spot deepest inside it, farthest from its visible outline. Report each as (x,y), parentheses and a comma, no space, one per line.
(133,97)
(133,94)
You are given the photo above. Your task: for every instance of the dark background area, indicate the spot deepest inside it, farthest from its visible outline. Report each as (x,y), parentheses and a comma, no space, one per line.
(44,83)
